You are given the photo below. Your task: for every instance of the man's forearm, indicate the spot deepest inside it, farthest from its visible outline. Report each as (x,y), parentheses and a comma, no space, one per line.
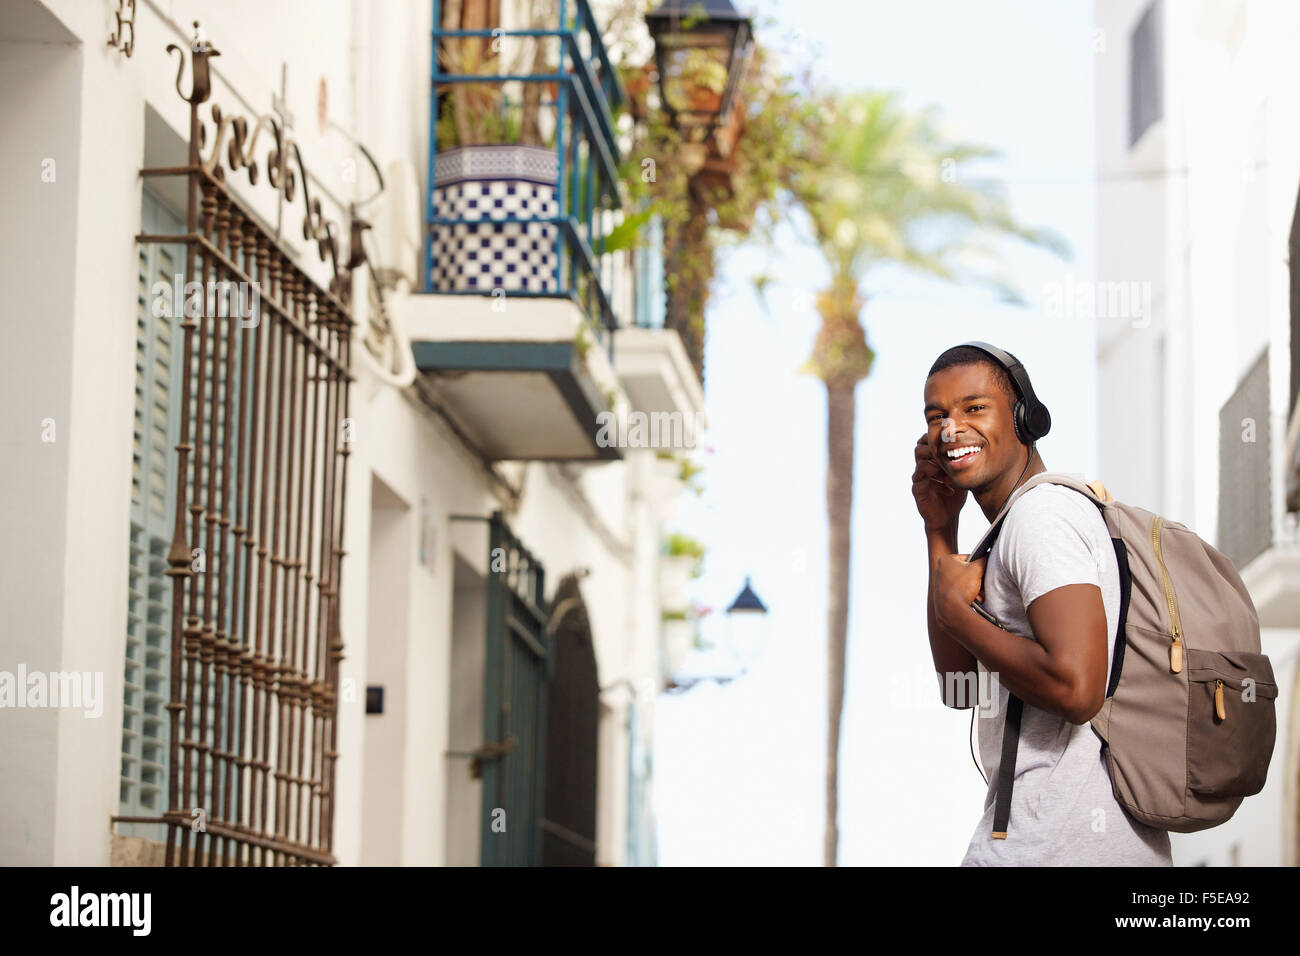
(1023,666)
(950,656)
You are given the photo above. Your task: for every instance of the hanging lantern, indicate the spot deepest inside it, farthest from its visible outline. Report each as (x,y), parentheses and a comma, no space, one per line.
(701,51)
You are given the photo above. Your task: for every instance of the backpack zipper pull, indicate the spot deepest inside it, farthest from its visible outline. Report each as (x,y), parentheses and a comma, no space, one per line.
(1176,648)
(1218,700)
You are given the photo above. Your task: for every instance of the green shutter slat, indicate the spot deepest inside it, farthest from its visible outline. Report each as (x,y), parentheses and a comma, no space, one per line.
(147,667)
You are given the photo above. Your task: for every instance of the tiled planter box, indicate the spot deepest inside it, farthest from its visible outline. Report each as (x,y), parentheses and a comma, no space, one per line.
(488,184)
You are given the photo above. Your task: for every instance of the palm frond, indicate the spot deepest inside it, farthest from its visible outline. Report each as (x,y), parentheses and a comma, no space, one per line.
(889,185)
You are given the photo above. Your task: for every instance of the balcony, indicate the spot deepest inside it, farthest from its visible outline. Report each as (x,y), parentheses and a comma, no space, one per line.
(514,326)
(652,360)
(1254,530)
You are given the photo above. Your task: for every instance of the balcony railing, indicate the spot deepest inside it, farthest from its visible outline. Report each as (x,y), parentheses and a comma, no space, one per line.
(649,296)
(1245,475)
(514,218)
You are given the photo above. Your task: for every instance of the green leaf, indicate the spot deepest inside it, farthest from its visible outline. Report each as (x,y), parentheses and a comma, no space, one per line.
(626,233)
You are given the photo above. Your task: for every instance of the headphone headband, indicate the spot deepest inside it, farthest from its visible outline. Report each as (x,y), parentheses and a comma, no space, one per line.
(1032,419)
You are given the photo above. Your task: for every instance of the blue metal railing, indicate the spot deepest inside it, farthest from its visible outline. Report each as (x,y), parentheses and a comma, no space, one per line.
(649,304)
(587,90)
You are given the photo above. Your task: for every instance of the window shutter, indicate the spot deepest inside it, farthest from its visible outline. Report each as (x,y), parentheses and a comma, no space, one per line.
(1146,73)
(146,687)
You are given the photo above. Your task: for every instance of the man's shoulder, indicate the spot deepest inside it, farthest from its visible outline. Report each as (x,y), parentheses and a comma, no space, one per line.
(1054,536)
(1049,512)
(1051,499)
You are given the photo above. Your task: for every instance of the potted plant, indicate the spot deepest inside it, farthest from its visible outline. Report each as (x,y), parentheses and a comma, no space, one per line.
(492,170)
(683,560)
(678,639)
(706,81)
(637,82)
(681,635)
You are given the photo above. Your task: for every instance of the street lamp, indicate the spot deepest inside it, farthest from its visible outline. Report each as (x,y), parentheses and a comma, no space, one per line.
(747,635)
(747,621)
(747,603)
(701,50)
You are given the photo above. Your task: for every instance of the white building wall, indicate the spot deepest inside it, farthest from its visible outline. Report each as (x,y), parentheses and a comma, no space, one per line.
(1129,250)
(388,603)
(38,56)
(71,359)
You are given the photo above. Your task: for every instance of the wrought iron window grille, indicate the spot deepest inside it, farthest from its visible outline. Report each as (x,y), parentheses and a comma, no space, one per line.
(256,555)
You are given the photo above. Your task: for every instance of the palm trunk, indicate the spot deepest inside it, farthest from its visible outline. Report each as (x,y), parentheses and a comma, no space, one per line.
(453,55)
(689,266)
(530,124)
(841,358)
(840,415)
(465,55)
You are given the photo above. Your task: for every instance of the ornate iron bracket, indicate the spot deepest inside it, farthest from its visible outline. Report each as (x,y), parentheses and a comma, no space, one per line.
(125,15)
(233,148)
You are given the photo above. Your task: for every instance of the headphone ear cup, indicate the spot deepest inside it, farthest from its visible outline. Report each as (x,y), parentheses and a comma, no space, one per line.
(1018,421)
(1040,423)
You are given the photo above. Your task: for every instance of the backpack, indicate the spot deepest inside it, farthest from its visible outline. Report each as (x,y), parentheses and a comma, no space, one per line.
(1188,724)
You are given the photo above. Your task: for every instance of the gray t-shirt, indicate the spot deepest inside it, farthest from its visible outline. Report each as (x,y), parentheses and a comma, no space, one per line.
(1063,812)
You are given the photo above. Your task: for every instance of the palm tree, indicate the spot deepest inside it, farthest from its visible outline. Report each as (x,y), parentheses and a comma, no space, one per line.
(886,189)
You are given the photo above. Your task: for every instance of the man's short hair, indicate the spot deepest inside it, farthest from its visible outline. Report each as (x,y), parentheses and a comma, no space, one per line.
(969,355)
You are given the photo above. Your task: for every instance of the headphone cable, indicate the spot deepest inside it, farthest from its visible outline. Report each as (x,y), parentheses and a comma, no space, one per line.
(970,739)
(1033,448)
(970,734)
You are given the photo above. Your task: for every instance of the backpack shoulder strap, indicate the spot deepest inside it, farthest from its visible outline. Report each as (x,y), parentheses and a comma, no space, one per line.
(1042,478)
(1100,491)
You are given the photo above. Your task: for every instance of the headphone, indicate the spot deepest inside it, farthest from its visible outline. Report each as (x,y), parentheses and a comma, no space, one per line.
(1030,417)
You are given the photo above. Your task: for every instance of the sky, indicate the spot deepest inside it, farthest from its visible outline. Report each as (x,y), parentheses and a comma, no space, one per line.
(739,770)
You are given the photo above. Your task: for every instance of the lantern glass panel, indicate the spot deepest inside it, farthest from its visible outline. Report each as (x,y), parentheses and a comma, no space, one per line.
(694,72)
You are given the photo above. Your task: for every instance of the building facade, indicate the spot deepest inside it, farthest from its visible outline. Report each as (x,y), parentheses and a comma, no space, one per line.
(341,535)
(1198,322)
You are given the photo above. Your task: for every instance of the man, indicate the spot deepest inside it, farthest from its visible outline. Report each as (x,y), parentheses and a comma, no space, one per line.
(1052,577)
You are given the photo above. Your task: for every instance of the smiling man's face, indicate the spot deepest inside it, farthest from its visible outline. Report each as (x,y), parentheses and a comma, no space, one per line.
(968,414)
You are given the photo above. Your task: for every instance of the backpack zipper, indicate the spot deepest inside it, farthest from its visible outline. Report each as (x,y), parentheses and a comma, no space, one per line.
(1218,700)
(1176,648)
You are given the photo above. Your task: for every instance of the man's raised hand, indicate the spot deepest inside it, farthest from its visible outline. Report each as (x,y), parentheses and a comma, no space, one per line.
(958,582)
(938,502)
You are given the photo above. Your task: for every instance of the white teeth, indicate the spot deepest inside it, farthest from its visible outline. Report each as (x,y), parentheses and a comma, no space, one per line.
(956,453)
